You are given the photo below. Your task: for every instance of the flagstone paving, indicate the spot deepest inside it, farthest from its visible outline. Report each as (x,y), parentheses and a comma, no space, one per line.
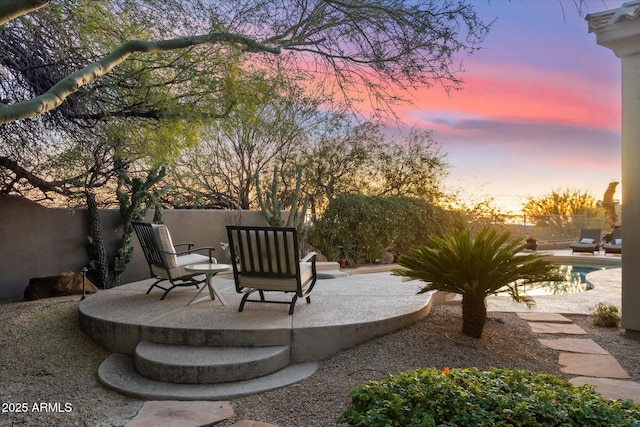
(556,328)
(583,357)
(574,345)
(544,317)
(171,413)
(592,365)
(611,388)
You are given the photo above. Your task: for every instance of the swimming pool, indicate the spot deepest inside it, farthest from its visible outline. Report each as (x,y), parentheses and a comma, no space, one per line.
(575,281)
(575,274)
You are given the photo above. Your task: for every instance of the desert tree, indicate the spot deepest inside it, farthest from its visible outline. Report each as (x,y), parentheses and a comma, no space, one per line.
(269,128)
(138,110)
(142,77)
(412,165)
(331,165)
(563,211)
(363,45)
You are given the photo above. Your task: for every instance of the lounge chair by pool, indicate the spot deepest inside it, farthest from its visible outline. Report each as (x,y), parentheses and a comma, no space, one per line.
(589,241)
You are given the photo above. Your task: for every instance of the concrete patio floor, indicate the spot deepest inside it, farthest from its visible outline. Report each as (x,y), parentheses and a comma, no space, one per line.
(343,312)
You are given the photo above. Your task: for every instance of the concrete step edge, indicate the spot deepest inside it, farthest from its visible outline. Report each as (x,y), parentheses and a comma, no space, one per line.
(208,365)
(118,373)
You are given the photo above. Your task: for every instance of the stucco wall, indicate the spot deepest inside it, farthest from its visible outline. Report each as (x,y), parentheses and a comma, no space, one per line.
(36,241)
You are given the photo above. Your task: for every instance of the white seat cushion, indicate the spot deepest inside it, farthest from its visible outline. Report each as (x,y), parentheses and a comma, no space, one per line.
(178,270)
(164,242)
(278,284)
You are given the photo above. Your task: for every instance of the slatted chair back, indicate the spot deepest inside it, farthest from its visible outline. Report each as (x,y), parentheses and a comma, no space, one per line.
(591,233)
(268,259)
(147,240)
(266,251)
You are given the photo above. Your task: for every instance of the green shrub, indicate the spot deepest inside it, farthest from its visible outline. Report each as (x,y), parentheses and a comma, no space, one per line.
(606,315)
(375,224)
(468,397)
(347,251)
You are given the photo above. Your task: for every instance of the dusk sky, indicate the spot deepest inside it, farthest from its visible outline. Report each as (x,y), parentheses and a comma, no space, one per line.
(540,108)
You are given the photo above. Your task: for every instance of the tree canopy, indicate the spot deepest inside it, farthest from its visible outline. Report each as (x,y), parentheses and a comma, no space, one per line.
(370,45)
(89,87)
(564,202)
(563,212)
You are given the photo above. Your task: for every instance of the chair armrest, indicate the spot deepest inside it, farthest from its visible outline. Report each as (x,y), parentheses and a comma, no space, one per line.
(189,245)
(308,257)
(208,248)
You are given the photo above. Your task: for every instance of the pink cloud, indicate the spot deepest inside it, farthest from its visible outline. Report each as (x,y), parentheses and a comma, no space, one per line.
(517,93)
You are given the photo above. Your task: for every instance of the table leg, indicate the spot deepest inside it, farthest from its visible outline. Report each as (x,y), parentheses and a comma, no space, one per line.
(195,296)
(212,290)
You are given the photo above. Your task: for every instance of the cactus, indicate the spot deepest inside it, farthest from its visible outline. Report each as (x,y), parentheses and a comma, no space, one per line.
(271,206)
(97,252)
(135,197)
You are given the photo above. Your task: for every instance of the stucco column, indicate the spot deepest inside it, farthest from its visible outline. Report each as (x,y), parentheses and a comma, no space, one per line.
(619,30)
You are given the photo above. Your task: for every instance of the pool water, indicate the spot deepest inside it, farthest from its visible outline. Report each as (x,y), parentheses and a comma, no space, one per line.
(575,281)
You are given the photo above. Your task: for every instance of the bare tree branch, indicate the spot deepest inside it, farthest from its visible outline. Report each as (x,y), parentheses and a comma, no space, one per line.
(37,182)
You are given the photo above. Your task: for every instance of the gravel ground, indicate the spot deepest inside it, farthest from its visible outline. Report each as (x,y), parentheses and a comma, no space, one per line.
(46,359)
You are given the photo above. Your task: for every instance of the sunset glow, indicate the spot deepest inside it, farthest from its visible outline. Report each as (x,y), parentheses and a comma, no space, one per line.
(564,98)
(539,110)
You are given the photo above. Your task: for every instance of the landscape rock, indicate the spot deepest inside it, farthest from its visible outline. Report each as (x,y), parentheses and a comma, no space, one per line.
(387,258)
(68,283)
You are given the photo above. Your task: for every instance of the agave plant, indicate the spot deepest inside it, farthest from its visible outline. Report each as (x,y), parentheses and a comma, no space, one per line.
(476,268)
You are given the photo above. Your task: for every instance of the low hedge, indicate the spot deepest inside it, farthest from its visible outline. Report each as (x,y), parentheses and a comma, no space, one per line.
(468,397)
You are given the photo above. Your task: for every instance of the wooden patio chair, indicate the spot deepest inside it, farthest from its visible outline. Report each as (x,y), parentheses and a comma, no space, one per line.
(267,259)
(165,262)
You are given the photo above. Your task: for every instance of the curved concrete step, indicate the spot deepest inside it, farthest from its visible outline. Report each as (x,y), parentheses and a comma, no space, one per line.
(118,373)
(186,364)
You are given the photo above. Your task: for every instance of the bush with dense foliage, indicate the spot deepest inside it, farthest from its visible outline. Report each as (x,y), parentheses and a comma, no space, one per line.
(374,224)
(605,315)
(497,397)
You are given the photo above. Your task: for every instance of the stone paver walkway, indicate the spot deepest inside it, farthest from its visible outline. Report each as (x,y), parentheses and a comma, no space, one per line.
(583,357)
(173,413)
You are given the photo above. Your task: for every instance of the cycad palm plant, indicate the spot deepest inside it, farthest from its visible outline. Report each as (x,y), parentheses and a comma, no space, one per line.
(476,268)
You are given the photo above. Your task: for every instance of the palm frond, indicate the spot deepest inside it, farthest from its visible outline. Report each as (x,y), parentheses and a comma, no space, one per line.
(482,266)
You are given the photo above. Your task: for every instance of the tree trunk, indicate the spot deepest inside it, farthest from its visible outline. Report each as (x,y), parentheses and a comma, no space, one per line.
(474,315)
